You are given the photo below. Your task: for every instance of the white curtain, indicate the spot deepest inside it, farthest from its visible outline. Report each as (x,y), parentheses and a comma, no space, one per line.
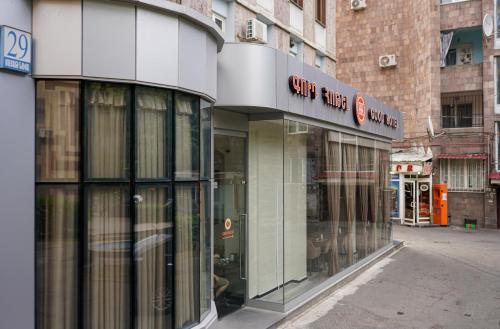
(107,131)
(349,182)
(185,291)
(153,245)
(151,133)
(58,257)
(184,137)
(108,245)
(333,170)
(445,46)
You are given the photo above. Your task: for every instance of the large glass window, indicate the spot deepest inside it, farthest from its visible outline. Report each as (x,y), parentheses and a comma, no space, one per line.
(107,259)
(187,137)
(57,256)
(106,238)
(107,109)
(58,130)
(336,205)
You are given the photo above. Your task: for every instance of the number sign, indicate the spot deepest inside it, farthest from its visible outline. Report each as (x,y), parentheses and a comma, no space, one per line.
(15,50)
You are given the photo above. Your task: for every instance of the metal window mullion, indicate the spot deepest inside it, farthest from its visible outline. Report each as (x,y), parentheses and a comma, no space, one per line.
(132,208)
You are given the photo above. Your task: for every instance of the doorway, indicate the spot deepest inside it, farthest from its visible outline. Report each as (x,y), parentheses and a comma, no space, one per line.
(409,206)
(230,222)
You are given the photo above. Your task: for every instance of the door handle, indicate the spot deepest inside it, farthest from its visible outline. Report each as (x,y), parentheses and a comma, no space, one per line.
(243,223)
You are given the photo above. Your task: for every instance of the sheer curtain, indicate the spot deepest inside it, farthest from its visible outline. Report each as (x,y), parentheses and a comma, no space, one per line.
(57,245)
(333,170)
(152,130)
(374,194)
(58,128)
(349,181)
(187,138)
(107,299)
(153,257)
(107,131)
(187,256)
(365,175)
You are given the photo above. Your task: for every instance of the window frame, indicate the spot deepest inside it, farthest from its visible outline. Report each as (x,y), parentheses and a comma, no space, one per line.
(131,183)
(320,12)
(466,168)
(222,19)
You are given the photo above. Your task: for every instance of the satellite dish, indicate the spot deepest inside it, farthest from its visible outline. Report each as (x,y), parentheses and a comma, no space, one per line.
(430,127)
(488,25)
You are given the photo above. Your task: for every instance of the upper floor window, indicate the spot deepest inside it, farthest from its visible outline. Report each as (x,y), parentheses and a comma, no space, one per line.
(220,21)
(321,12)
(497,84)
(462,110)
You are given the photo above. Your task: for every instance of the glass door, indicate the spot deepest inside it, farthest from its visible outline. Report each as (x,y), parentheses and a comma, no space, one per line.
(230,222)
(410,202)
(424,202)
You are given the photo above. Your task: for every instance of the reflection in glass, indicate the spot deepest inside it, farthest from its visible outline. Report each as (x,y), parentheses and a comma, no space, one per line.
(107,138)
(187,256)
(153,257)
(57,255)
(107,298)
(336,204)
(206,250)
(187,137)
(265,210)
(57,130)
(206,136)
(153,129)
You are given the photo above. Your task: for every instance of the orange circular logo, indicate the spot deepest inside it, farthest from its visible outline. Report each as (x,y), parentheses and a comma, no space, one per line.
(227,224)
(360,110)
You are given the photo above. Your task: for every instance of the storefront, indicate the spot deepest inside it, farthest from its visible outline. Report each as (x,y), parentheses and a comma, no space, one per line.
(411,185)
(301,171)
(122,167)
(170,181)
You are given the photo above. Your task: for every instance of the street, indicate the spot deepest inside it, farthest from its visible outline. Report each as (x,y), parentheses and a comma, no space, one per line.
(442,278)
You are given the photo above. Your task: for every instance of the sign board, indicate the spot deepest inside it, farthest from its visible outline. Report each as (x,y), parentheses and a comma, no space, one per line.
(15,50)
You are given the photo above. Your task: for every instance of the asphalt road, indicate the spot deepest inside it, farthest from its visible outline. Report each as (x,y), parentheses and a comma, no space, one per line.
(442,278)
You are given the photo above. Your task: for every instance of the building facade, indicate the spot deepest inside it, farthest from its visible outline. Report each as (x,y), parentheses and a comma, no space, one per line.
(444,71)
(166,164)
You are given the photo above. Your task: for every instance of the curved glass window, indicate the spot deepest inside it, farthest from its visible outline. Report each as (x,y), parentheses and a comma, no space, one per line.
(123,212)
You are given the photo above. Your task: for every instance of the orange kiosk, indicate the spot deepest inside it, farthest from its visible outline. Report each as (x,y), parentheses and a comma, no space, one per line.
(440,204)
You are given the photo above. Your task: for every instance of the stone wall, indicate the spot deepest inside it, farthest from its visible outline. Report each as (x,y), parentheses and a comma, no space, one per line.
(406,29)
(465,205)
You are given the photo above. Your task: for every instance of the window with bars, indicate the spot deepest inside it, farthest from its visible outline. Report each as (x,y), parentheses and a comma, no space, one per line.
(463,175)
(462,110)
(321,12)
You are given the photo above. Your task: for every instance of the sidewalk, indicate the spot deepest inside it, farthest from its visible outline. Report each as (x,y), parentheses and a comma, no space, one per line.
(443,278)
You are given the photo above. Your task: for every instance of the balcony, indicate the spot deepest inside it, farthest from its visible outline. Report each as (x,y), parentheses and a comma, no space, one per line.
(460,14)
(464,69)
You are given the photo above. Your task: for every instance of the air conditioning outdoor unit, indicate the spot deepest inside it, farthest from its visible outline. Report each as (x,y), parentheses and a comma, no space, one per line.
(358,4)
(387,61)
(256,30)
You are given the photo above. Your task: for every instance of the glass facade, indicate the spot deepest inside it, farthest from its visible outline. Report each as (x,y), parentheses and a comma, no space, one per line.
(123,206)
(319,202)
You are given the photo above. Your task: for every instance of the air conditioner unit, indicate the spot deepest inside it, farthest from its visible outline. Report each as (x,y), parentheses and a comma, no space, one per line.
(256,30)
(387,61)
(358,4)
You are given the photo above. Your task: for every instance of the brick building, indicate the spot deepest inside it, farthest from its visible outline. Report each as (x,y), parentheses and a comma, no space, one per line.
(459,94)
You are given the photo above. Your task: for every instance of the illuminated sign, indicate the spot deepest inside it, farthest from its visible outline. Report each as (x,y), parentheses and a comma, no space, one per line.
(335,99)
(359,109)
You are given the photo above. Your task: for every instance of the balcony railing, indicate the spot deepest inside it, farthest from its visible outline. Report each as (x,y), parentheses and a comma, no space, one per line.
(462,110)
